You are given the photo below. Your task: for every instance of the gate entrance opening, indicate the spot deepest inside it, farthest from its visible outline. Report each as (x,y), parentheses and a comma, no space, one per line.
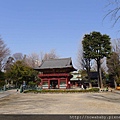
(53,84)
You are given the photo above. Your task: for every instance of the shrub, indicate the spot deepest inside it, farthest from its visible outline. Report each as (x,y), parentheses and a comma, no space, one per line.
(32,84)
(62,91)
(94,90)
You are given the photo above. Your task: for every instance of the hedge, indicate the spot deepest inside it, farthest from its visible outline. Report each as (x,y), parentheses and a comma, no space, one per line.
(62,91)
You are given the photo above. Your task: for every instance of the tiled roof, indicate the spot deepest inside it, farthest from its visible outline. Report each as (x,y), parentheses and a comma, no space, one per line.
(56,63)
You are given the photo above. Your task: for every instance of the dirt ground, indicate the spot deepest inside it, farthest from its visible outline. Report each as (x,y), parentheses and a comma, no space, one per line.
(67,103)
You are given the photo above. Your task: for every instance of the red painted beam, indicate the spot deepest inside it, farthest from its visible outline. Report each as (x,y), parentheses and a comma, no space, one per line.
(54,74)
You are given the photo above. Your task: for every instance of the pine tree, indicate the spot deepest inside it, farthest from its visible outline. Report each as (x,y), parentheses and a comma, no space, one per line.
(96,46)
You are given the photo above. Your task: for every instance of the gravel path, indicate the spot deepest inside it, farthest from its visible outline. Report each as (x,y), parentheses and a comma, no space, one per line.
(7,93)
(74,103)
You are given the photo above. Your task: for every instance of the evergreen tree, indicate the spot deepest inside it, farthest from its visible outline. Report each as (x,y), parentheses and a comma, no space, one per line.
(20,72)
(96,46)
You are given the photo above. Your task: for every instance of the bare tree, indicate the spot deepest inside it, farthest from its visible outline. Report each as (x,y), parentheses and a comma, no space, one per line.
(116,46)
(84,64)
(79,61)
(51,55)
(32,60)
(9,63)
(113,62)
(104,67)
(18,56)
(4,52)
(113,11)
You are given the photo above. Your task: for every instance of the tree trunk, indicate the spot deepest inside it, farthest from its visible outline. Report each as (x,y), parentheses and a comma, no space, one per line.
(90,85)
(100,77)
(100,83)
(115,84)
(88,73)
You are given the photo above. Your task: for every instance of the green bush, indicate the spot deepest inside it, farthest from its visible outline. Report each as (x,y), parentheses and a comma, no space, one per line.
(94,90)
(62,91)
(2,83)
(32,84)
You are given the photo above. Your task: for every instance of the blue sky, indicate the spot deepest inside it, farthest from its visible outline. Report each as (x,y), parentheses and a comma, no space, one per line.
(29,26)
